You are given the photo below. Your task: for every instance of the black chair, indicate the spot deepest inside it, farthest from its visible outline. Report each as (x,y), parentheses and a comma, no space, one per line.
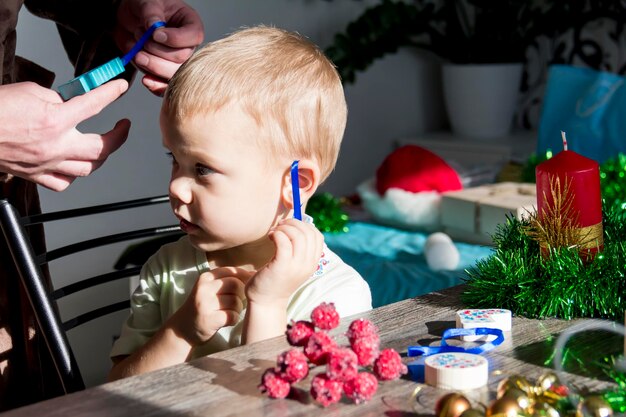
(44,303)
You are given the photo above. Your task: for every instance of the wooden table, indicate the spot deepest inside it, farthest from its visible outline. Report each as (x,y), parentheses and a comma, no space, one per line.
(225,384)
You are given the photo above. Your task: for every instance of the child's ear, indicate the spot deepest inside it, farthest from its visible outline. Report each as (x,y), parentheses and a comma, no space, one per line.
(308,179)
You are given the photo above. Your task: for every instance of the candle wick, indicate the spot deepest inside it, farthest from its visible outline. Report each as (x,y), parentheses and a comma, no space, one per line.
(564,140)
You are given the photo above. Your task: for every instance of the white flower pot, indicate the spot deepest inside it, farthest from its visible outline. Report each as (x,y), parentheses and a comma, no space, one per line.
(481,99)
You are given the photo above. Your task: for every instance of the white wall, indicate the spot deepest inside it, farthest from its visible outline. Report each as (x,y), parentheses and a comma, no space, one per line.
(397,96)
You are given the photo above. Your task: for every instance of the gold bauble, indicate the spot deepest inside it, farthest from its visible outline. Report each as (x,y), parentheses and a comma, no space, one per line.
(543,409)
(520,397)
(504,407)
(548,380)
(514,381)
(472,412)
(595,406)
(451,405)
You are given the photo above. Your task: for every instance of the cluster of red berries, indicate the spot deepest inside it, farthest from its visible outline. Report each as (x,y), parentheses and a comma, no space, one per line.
(342,374)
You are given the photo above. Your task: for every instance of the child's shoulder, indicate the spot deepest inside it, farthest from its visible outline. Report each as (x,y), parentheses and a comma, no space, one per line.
(175,255)
(181,245)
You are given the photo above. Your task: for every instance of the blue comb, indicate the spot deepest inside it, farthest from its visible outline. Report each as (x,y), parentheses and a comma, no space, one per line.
(105,72)
(295,190)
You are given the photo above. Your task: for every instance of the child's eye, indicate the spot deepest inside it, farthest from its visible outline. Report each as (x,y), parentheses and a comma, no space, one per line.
(202,170)
(171,156)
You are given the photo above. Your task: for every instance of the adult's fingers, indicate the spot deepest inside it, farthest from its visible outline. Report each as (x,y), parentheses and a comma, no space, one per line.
(82,107)
(155,85)
(54,182)
(76,168)
(150,12)
(66,171)
(177,55)
(91,147)
(114,138)
(45,94)
(184,29)
(157,66)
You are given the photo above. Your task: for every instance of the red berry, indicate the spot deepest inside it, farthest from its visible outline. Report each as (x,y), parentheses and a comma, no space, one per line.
(362,388)
(342,364)
(361,328)
(318,346)
(274,385)
(324,390)
(325,317)
(298,332)
(389,365)
(367,349)
(292,365)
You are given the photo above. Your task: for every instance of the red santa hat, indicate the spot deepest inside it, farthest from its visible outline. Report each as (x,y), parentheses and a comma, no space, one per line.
(415,169)
(406,191)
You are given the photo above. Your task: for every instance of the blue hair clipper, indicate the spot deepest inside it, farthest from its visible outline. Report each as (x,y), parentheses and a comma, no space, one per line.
(105,72)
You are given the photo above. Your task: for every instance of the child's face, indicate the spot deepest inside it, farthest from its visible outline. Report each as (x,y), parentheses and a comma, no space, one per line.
(223,188)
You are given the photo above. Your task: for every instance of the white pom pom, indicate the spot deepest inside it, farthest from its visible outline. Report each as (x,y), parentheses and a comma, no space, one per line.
(440,252)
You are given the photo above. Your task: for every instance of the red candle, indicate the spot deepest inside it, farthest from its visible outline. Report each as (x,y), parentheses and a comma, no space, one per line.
(582,176)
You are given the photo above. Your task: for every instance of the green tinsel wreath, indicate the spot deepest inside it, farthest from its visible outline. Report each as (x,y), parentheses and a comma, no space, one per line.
(518,278)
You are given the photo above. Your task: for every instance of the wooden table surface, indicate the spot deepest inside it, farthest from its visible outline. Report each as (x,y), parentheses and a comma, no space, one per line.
(225,384)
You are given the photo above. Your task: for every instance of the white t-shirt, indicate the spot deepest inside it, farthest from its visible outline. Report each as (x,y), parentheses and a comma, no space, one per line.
(169,275)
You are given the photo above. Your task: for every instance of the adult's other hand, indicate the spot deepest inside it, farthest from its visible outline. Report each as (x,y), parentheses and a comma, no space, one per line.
(39,140)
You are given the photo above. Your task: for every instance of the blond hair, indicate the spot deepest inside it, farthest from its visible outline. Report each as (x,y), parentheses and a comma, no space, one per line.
(285,82)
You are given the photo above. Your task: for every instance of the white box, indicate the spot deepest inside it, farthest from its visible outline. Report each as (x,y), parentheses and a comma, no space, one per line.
(473,214)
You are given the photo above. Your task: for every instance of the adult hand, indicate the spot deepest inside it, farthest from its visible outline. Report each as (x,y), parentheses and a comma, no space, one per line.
(214,302)
(169,47)
(38,137)
(299,247)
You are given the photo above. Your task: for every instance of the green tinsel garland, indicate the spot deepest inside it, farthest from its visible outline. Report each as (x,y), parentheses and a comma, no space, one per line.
(327,213)
(615,397)
(518,278)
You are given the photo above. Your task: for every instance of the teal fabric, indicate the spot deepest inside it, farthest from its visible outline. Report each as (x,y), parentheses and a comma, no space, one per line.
(392,261)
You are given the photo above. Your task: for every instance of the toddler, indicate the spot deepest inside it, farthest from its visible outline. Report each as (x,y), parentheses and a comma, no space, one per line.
(235,117)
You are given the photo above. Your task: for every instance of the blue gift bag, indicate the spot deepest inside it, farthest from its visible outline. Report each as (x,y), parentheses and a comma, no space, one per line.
(589,106)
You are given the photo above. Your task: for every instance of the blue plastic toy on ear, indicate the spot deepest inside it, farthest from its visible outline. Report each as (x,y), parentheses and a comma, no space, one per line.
(295,190)
(105,72)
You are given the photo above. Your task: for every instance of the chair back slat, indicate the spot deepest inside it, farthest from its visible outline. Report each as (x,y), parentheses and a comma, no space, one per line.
(43,299)
(86,211)
(93,281)
(45,312)
(106,240)
(94,314)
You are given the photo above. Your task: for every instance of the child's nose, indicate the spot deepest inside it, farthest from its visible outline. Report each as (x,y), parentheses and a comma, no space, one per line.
(180,189)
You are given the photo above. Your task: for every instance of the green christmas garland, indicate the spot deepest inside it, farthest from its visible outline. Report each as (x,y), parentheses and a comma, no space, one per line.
(518,278)
(327,213)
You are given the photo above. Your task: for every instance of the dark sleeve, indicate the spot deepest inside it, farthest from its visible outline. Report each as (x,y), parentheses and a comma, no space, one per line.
(85,28)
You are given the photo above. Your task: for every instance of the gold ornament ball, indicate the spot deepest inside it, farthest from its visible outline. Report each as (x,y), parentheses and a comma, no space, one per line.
(451,405)
(514,381)
(520,397)
(543,409)
(595,406)
(472,412)
(504,407)
(547,381)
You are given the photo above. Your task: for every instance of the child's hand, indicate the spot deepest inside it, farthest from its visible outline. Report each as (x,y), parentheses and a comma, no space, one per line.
(299,247)
(214,302)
